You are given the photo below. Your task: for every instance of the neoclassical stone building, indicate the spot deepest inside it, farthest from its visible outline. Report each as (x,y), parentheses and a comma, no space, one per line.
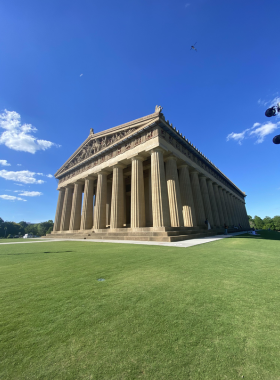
(144,180)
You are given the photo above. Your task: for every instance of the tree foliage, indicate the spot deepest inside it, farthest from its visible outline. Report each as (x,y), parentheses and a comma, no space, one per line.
(22,228)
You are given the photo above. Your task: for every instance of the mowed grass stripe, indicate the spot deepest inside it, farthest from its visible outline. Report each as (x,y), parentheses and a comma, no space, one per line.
(206,312)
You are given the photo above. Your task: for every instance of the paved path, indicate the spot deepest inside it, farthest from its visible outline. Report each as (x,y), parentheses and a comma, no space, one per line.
(180,244)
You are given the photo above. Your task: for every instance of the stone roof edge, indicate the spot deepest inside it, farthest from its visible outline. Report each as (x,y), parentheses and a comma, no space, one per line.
(108,131)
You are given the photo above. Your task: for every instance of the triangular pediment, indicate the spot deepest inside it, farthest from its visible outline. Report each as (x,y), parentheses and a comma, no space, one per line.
(96,143)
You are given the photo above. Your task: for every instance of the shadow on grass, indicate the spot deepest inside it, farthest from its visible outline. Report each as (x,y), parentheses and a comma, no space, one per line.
(268,235)
(32,253)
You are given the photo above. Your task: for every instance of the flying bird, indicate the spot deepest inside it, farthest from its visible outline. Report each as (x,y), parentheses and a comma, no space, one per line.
(193,47)
(81,75)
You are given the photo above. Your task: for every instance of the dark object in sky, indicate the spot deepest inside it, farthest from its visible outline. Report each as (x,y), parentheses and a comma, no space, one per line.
(272,111)
(193,47)
(276,139)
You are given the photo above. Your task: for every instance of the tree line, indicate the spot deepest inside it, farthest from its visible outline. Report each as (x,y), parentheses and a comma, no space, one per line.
(265,223)
(11,228)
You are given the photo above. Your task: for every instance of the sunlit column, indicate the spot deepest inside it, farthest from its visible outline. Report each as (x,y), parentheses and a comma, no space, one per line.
(67,206)
(87,213)
(161,216)
(219,204)
(137,193)
(117,197)
(187,197)
(59,207)
(75,219)
(173,190)
(101,199)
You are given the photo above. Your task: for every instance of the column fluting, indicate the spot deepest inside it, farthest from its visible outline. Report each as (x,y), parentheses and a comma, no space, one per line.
(75,220)
(59,207)
(228,204)
(161,215)
(87,213)
(219,204)
(173,190)
(137,193)
(67,206)
(189,216)
(197,197)
(117,197)
(223,205)
(206,200)
(101,199)
(213,203)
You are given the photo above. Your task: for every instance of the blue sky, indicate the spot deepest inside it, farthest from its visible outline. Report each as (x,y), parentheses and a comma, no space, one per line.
(134,55)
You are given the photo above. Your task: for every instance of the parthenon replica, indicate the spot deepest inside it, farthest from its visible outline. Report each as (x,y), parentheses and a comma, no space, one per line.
(143,180)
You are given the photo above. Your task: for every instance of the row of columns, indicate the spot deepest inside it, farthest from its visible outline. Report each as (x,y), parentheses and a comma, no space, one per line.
(171,197)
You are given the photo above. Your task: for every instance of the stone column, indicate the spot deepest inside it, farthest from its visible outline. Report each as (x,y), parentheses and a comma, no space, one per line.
(223,205)
(206,200)
(59,207)
(237,205)
(148,199)
(233,209)
(197,197)
(108,204)
(161,216)
(213,203)
(228,205)
(75,220)
(219,204)
(173,190)
(137,193)
(67,206)
(244,212)
(117,197)
(101,199)
(227,208)
(187,197)
(87,213)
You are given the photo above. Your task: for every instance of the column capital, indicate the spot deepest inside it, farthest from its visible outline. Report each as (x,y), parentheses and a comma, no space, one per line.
(69,186)
(170,157)
(79,182)
(138,157)
(105,172)
(183,166)
(118,165)
(157,149)
(90,176)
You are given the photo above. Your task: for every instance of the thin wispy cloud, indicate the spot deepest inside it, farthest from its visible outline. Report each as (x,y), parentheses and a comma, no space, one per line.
(258,131)
(19,136)
(12,198)
(23,176)
(4,163)
(81,75)
(49,175)
(19,165)
(29,193)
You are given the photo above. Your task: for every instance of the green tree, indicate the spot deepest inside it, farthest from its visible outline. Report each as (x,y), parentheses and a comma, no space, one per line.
(276,221)
(251,221)
(258,222)
(268,223)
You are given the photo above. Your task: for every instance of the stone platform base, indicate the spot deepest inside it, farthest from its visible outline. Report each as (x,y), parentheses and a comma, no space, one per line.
(160,234)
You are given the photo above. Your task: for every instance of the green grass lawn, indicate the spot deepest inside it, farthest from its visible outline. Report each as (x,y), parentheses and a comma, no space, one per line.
(206,312)
(18,240)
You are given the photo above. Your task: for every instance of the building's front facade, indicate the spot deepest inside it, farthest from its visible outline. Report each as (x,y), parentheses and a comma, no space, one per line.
(143,174)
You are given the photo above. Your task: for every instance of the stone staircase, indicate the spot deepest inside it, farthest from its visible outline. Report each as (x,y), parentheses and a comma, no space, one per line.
(161,234)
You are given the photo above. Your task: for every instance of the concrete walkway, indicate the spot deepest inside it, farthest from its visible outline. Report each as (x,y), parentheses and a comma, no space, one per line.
(179,244)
